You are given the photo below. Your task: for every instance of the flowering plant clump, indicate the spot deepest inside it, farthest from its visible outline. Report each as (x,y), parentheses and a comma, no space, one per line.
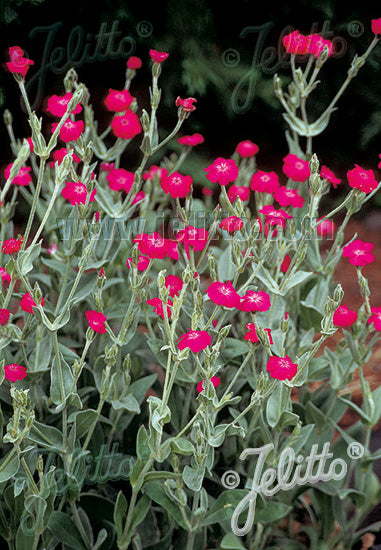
(149,340)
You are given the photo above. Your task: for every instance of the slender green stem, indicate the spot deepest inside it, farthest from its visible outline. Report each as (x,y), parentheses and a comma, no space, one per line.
(34,203)
(239,370)
(62,390)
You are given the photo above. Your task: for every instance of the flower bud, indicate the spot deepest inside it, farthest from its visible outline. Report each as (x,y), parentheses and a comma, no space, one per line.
(76,98)
(338,294)
(37,293)
(315,183)
(88,154)
(322,57)
(363,283)
(145,121)
(111,353)
(212,267)
(277,86)
(70,80)
(63,169)
(8,119)
(299,82)
(40,466)
(314,164)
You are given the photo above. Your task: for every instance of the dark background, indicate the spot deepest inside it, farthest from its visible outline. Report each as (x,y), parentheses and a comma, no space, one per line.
(203,39)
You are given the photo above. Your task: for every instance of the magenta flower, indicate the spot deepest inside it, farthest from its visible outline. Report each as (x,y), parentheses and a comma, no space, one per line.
(231,224)
(296,168)
(107,166)
(4,316)
(158,57)
(273,216)
(192,140)
(251,335)
(18,64)
(222,171)
(76,193)
(195,340)
(326,228)
(14,372)
(328,175)
(193,236)
(172,249)
(247,149)
(359,252)
(140,196)
(281,368)
(27,303)
(288,197)
(174,284)
(186,104)
(134,63)
(119,179)
(215,380)
(376,317)
(152,245)
(143,263)
(22,177)
(158,307)
(126,126)
(344,317)
(285,263)
(316,45)
(57,105)
(118,100)
(358,178)
(255,301)
(60,154)
(70,130)
(155,172)
(376,26)
(177,185)
(5,277)
(11,246)
(295,43)
(96,321)
(238,191)
(264,182)
(223,294)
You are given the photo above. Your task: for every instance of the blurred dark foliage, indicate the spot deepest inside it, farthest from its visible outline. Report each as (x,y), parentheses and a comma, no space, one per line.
(204,38)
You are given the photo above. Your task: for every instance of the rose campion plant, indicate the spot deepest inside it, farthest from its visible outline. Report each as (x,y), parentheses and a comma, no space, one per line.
(148,338)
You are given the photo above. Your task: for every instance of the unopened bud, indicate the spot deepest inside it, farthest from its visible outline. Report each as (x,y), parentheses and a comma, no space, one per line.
(145,121)
(322,57)
(37,294)
(8,119)
(111,353)
(161,281)
(364,286)
(70,80)
(314,164)
(277,86)
(88,155)
(76,99)
(212,267)
(338,294)
(40,466)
